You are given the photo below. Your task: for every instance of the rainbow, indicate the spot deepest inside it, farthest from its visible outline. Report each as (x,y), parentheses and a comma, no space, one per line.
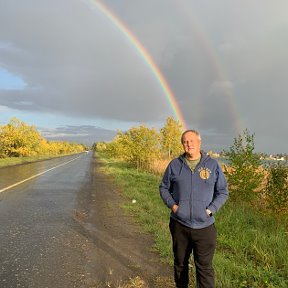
(197,29)
(147,58)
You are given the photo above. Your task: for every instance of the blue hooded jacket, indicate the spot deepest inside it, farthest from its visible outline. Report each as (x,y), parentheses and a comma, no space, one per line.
(194,192)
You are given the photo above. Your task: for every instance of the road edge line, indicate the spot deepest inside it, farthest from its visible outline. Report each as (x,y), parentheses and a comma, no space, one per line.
(37,175)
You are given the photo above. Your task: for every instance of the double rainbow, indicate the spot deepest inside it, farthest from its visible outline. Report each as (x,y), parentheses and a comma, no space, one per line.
(215,61)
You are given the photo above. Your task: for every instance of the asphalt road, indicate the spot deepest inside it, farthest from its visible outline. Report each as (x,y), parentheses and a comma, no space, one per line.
(37,233)
(58,231)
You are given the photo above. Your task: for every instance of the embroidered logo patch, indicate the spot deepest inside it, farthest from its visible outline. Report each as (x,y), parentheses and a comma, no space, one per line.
(204,173)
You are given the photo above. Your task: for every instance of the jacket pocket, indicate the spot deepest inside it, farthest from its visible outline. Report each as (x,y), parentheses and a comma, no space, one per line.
(199,213)
(183,211)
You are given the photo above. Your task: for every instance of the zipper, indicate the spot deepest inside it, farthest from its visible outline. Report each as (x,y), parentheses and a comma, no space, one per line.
(190,198)
(191,194)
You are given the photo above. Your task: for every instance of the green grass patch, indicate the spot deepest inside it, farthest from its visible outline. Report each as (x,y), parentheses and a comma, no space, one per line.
(252,247)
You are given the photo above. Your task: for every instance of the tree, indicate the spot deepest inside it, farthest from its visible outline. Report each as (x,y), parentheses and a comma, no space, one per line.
(139,146)
(277,188)
(116,148)
(170,138)
(244,175)
(99,146)
(19,139)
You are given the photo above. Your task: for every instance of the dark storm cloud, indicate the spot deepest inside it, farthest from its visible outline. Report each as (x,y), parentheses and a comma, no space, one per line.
(212,53)
(74,61)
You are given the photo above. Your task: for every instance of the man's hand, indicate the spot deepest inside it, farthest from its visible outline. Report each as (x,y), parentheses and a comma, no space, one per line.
(174,208)
(209,213)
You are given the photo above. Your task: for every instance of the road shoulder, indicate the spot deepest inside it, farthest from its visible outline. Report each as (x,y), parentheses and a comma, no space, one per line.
(119,250)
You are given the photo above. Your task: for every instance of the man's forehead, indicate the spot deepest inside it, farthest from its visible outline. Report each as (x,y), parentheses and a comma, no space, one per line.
(190,135)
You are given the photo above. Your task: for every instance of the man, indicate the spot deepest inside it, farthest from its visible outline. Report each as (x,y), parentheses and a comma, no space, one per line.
(194,188)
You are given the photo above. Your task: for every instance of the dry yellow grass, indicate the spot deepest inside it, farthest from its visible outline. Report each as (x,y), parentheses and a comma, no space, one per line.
(136,282)
(158,166)
(160,282)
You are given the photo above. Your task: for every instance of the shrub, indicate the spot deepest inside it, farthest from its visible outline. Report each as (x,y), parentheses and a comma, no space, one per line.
(244,176)
(277,188)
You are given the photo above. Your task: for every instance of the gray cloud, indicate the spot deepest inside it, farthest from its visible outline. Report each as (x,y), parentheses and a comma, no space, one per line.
(76,63)
(85,134)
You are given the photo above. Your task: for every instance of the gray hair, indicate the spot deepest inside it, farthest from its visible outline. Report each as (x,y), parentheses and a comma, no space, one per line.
(192,131)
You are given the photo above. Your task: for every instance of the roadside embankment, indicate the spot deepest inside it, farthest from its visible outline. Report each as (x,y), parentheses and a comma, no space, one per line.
(252,246)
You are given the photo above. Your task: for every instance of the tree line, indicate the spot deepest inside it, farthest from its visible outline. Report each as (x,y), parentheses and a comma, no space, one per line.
(249,181)
(142,146)
(18,139)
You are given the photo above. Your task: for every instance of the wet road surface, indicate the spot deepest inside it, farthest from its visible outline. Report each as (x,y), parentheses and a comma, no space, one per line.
(64,228)
(37,232)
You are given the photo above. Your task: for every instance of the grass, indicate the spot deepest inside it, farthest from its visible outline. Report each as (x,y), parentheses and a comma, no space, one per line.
(252,246)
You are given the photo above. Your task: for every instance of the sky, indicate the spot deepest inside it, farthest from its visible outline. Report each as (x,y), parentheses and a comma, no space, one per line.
(68,69)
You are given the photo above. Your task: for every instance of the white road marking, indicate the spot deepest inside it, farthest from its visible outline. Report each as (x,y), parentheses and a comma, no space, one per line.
(37,175)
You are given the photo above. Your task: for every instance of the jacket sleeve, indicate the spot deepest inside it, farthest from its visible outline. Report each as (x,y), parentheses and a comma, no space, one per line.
(166,187)
(220,191)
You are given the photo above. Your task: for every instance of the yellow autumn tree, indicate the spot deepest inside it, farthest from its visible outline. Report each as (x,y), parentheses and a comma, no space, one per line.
(138,146)
(19,139)
(170,138)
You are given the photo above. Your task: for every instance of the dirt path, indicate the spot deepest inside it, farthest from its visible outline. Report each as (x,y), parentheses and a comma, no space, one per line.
(123,256)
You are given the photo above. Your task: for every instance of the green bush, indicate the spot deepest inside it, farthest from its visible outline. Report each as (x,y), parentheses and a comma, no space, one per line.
(277,188)
(244,176)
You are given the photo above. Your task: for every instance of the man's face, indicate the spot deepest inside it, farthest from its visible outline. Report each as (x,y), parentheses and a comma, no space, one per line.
(191,144)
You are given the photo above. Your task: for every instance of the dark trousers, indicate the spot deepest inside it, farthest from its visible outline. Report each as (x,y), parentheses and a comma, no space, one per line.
(202,242)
